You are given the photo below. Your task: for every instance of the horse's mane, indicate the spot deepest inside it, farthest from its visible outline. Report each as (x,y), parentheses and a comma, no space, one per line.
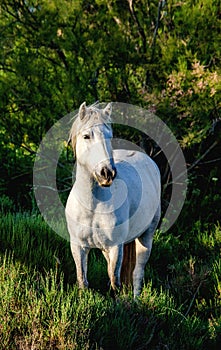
(93,116)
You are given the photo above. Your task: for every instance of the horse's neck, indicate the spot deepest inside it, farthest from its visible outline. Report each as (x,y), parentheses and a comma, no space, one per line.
(84,185)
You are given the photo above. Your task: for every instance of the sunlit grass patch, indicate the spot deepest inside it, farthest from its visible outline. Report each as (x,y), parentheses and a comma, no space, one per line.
(41,307)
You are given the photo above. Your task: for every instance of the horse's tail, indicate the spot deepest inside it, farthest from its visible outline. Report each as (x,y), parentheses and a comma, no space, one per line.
(128,264)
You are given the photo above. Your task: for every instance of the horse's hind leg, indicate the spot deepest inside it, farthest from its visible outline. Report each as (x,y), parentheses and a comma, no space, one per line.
(143,246)
(80,256)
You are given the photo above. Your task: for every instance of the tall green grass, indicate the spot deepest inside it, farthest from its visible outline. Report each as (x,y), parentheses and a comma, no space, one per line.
(41,308)
(37,312)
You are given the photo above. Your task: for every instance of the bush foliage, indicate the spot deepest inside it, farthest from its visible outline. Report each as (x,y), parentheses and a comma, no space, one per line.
(162,55)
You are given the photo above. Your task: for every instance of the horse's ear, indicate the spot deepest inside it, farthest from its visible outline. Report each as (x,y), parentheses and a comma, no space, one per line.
(82,110)
(107,110)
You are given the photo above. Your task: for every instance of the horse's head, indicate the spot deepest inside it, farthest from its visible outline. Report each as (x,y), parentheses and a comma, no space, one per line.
(91,136)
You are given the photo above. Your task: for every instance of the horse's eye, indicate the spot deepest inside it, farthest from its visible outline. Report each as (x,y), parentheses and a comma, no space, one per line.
(86,137)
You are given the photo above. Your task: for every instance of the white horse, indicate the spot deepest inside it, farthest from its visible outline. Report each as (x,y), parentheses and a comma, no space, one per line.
(114,200)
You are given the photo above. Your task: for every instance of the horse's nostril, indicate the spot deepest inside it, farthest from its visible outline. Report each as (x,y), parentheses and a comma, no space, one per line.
(103,172)
(106,173)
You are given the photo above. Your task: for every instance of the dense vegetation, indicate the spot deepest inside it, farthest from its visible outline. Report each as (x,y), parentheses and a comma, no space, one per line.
(164,56)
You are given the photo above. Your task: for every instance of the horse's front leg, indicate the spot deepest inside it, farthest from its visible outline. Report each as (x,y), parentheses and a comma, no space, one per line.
(114,257)
(80,256)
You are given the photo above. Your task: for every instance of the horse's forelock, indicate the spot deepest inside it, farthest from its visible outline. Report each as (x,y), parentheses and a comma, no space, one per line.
(92,116)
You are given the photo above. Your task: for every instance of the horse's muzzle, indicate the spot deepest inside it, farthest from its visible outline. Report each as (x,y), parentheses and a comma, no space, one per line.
(106,176)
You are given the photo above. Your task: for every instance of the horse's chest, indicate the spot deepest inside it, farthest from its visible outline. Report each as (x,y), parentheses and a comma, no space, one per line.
(99,227)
